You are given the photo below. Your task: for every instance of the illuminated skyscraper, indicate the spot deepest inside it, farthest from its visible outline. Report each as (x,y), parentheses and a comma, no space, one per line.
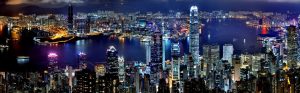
(112,61)
(82,59)
(228,52)
(121,69)
(194,35)
(101,81)
(80,25)
(148,52)
(211,59)
(292,40)
(88,25)
(176,60)
(85,81)
(70,18)
(156,49)
(113,69)
(52,57)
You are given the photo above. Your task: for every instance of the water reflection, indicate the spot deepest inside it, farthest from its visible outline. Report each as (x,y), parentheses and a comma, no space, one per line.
(131,48)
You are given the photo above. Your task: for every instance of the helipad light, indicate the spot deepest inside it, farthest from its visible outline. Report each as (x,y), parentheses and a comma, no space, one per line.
(52,55)
(81,53)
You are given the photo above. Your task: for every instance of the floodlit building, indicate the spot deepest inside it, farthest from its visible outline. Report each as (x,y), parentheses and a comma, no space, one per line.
(194,37)
(228,52)
(292,45)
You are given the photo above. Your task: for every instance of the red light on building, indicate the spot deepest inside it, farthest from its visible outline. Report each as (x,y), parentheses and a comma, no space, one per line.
(264,30)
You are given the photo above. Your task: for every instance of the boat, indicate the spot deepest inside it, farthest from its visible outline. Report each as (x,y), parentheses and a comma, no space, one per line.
(22,59)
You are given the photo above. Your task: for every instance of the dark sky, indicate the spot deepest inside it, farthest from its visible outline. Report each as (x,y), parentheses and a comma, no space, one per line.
(13,7)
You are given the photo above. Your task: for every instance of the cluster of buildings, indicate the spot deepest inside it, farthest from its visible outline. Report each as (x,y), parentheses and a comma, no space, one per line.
(275,69)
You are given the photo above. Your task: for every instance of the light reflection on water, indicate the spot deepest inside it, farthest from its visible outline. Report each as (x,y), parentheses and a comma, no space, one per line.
(230,31)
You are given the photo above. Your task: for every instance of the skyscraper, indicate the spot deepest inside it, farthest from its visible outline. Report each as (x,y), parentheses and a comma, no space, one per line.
(121,69)
(53,65)
(112,60)
(156,49)
(88,25)
(176,60)
(211,59)
(194,35)
(228,52)
(292,40)
(100,70)
(148,52)
(70,18)
(113,69)
(82,59)
(85,81)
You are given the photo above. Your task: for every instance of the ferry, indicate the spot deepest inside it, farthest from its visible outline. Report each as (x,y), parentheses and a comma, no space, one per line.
(22,59)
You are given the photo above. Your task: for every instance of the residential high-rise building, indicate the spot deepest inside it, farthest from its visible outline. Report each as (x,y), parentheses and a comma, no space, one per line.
(194,37)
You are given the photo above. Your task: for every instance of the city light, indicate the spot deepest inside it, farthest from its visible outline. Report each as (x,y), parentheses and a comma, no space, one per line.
(52,55)
(149,46)
(82,54)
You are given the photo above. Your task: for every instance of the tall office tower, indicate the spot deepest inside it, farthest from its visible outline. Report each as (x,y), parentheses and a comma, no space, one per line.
(80,25)
(70,18)
(52,67)
(215,53)
(228,52)
(157,62)
(194,36)
(82,60)
(113,68)
(176,60)
(206,59)
(164,41)
(121,69)
(237,68)
(148,52)
(85,81)
(292,40)
(112,60)
(227,75)
(211,58)
(70,73)
(100,78)
(298,51)
(88,25)
(156,49)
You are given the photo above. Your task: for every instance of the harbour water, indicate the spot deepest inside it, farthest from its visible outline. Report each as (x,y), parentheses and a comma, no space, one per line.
(215,32)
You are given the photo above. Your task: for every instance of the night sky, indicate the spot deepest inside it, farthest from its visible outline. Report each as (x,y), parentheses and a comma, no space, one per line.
(13,7)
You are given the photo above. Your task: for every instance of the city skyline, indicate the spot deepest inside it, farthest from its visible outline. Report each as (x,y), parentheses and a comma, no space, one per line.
(149,46)
(14,7)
